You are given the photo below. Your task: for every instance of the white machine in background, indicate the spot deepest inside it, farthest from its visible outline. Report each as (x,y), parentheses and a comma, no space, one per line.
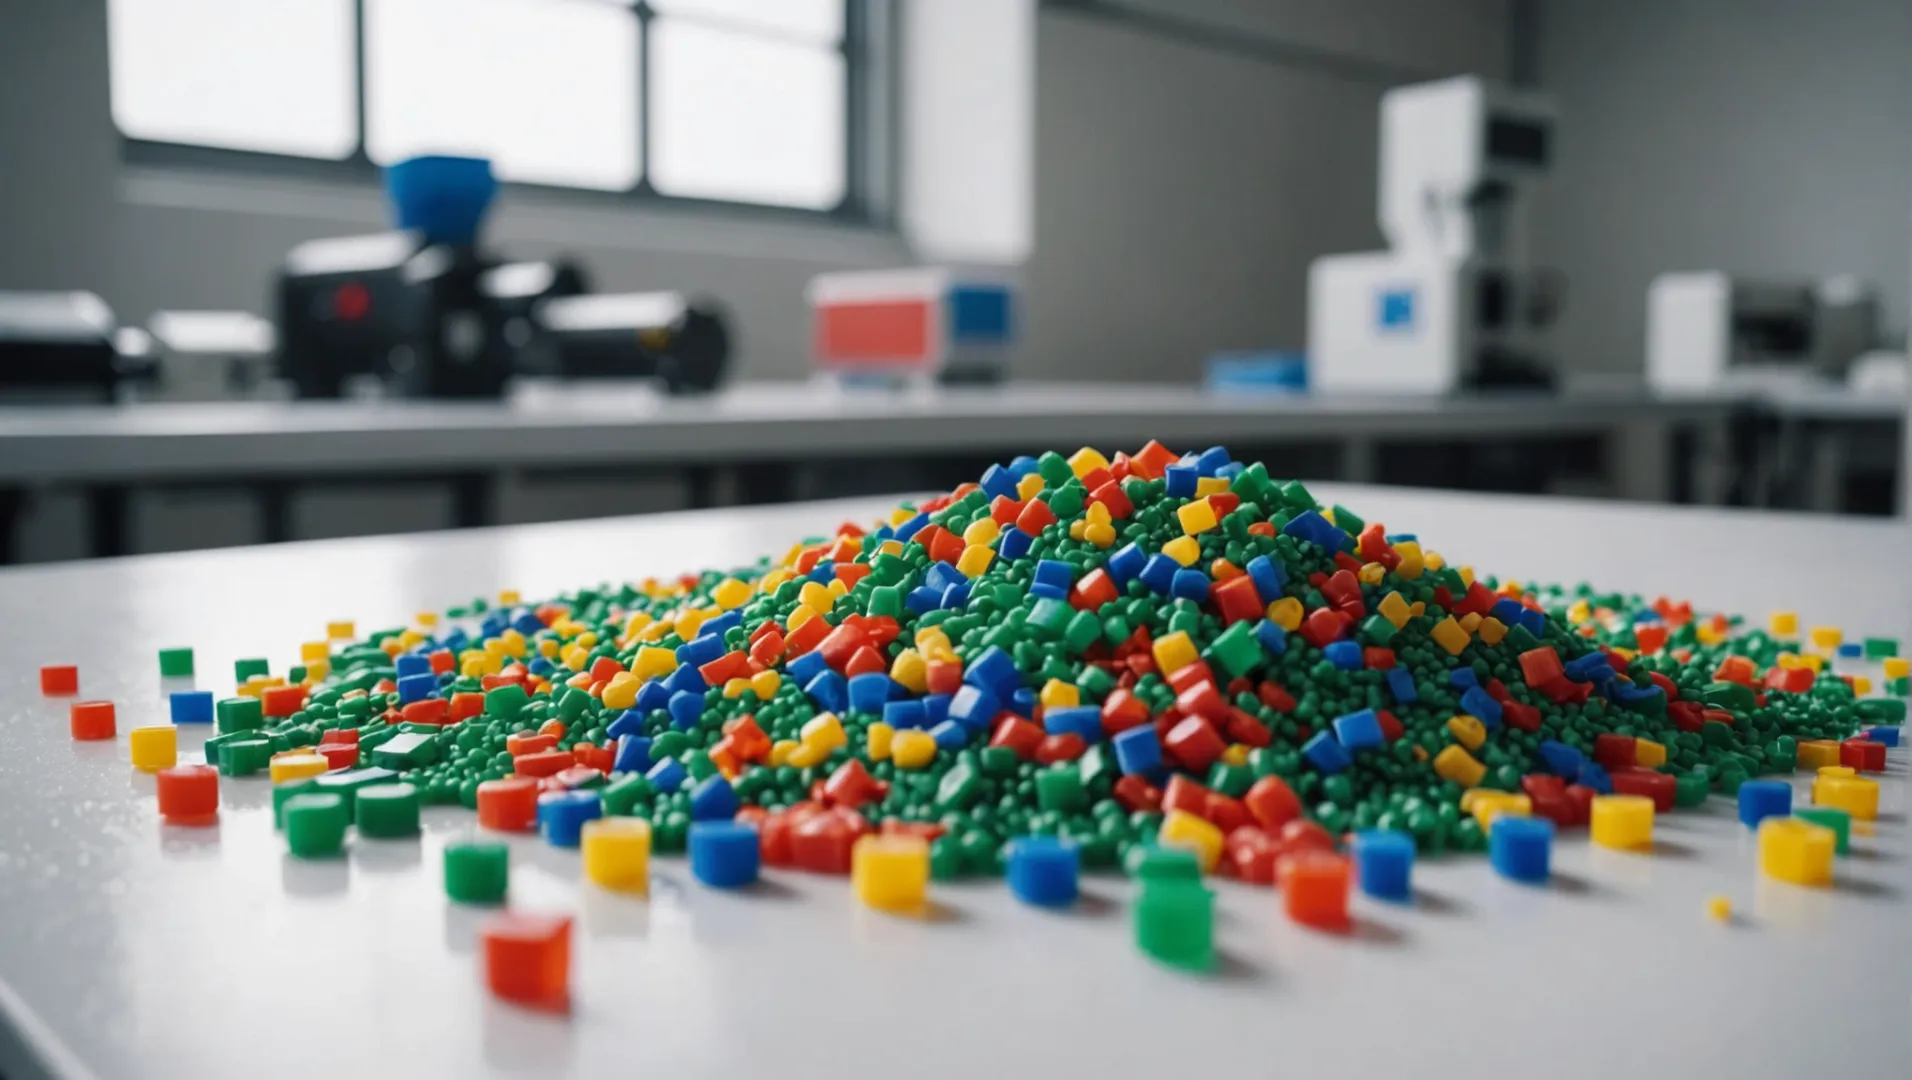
(1452,303)
(1706,330)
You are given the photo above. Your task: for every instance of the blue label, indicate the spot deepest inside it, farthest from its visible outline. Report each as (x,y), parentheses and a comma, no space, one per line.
(979,314)
(1397,309)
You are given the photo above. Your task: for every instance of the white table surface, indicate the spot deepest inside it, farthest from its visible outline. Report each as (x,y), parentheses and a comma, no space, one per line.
(135,949)
(612,423)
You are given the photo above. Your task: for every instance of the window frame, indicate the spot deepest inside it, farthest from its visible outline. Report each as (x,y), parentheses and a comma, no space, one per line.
(867,46)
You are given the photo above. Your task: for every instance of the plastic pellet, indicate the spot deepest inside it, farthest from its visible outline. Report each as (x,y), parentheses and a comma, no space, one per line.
(1314,888)
(617,853)
(1384,864)
(890,872)
(175,663)
(1794,850)
(386,810)
(1829,817)
(1175,924)
(1044,870)
(1854,794)
(509,804)
(315,825)
(724,854)
(477,871)
(1622,821)
(188,794)
(297,767)
(527,959)
(1761,799)
(562,814)
(1521,848)
(92,720)
(153,748)
(59,680)
(1719,909)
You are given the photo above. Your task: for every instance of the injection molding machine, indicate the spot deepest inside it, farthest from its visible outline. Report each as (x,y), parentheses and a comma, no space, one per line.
(1452,303)
(1707,329)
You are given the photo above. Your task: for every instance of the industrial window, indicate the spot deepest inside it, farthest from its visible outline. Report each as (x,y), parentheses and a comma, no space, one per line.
(734,101)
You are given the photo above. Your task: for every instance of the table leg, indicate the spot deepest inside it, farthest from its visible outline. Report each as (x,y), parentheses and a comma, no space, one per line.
(107,520)
(12,500)
(700,486)
(275,511)
(473,501)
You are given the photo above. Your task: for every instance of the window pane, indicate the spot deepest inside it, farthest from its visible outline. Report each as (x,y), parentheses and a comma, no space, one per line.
(808,20)
(548,89)
(745,119)
(241,74)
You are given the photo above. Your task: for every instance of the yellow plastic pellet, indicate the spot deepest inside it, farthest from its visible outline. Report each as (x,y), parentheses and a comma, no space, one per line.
(1098,512)
(1448,635)
(1435,560)
(316,671)
(815,595)
(1057,694)
(1719,909)
(1196,516)
(910,669)
(1285,613)
(1815,662)
(1648,754)
(982,531)
(1813,753)
(1470,622)
(1029,486)
(1412,563)
(774,580)
(781,750)
(1856,795)
(1456,765)
(1784,625)
(912,749)
(1100,533)
(617,853)
(687,624)
(1467,730)
(1210,485)
(1173,652)
(315,650)
(1487,804)
(730,593)
(509,597)
(1829,772)
(653,661)
(621,692)
(1236,754)
(890,872)
(879,738)
(573,656)
(1492,630)
(341,628)
(734,688)
(1579,611)
(1372,573)
(153,748)
(1184,830)
(1795,850)
(1826,637)
(1861,685)
(1709,634)
(1183,549)
(1087,460)
(1623,822)
(764,684)
(837,588)
(825,730)
(1394,609)
(296,766)
(808,756)
(1896,667)
(799,615)
(426,618)
(974,560)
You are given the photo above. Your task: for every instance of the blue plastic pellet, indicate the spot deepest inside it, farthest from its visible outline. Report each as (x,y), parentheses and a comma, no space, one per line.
(562,814)
(1053,576)
(1401,685)
(1271,636)
(1461,678)
(667,775)
(955,596)
(1189,584)
(1137,750)
(1126,563)
(1023,703)
(686,677)
(1761,799)
(1887,735)
(869,691)
(993,670)
(1325,753)
(1851,649)
(941,576)
(653,695)
(1013,543)
(1358,730)
(912,527)
(1083,720)
(903,714)
(1158,573)
(1521,848)
(723,854)
(1181,480)
(830,691)
(633,754)
(950,735)
(526,623)
(1561,759)
(1481,705)
(921,599)
(411,664)
(1211,460)
(1384,864)
(700,651)
(416,688)
(1044,870)
(1268,577)
(721,625)
(999,482)
(974,707)
(540,666)
(1345,655)
(935,708)
(1593,668)
(1594,776)
(1022,465)
(628,722)
(1507,611)
(805,667)
(191,706)
(1534,621)
(713,799)
(685,707)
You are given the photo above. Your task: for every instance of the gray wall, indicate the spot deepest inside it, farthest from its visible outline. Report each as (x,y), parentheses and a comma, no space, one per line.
(1764,137)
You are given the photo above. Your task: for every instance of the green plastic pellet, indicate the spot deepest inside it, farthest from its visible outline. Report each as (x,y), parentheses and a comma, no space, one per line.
(1175,924)
(407,750)
(387,810)
(623,795)
(1150,863)
(1832,818)
(246,669)
(245,756)
(506,702)
(477,871)
(1691,789)
(175,663)
(1059,788)
(315,825)
(282,792)
(347,783)
(239,714)
(1878,648)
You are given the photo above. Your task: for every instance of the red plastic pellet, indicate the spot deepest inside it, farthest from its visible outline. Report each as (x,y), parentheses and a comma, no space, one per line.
(528,959)
(58,680)
(339,755)
(92,720)
(188,794)
(1863,755)
(282,700)
(543,763)
(1314,888)
(508,805)
(1272,803)
(1657,786)
(821,842)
